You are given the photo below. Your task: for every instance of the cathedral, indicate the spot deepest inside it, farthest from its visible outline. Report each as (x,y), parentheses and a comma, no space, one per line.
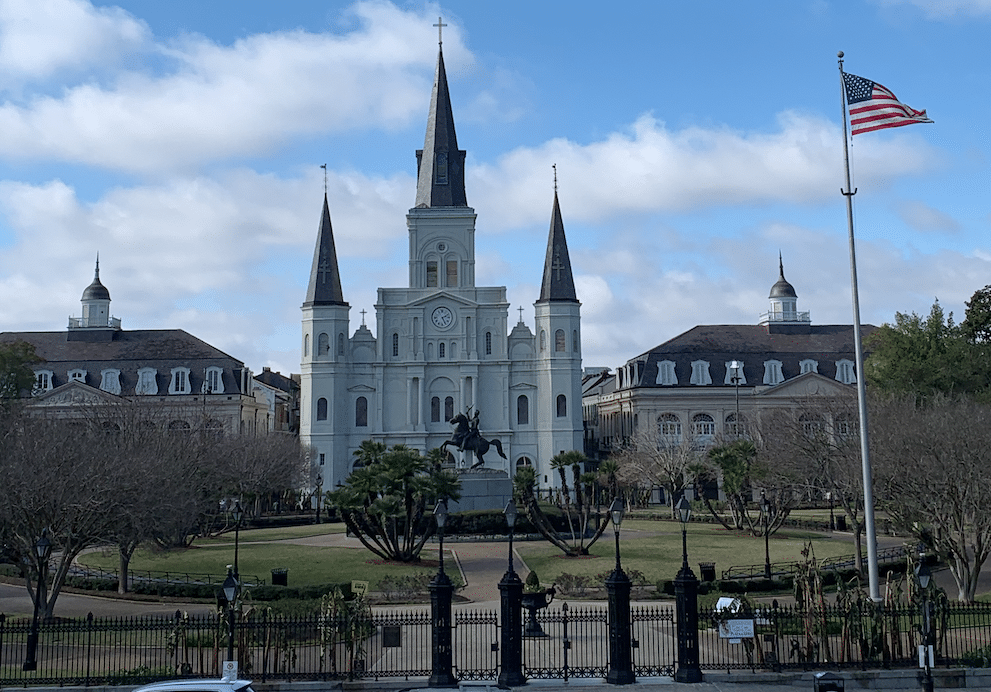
(442,345)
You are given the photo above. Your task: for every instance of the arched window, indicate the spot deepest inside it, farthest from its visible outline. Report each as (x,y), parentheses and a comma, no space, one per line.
(523,461)
(323,344)
(361,412)
(543,340)
(703,425)
(574,341)
(321,409)
(306,345)
(435,409)
(559,343)
(441,349)
(340,344)
(522,410)
(395,345)
(448,408)
(179,426)
(488,343)
(736,427)
(562,406)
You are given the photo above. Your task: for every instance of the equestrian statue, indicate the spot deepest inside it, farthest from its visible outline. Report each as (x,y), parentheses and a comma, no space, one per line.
(467,438)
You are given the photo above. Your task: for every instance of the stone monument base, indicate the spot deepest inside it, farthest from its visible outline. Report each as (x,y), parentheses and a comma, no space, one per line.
(482,488)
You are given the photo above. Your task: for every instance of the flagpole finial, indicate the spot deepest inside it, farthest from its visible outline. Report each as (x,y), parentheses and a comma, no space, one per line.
(839,55)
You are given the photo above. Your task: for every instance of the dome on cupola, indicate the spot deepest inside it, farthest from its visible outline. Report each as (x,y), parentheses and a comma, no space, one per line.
(781,288)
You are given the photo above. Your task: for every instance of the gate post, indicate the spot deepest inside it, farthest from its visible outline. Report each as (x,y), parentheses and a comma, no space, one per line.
(511,598)
(686,590)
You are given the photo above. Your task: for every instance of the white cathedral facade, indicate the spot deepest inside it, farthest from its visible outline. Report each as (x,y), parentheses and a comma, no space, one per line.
(442,345)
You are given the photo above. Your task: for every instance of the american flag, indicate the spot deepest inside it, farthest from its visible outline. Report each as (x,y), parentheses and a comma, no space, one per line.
(873,107)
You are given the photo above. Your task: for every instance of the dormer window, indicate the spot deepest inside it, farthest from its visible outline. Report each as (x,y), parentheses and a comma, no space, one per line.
(147,381)
(213,380)
(700,373)
(43,380)
(665,373)
(845,371)
(77,375)
(809,365)
(772,372)
(180,381)
(110,380)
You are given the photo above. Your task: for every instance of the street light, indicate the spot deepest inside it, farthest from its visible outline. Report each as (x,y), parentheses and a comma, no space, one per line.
(237,513)
(42,551)
(319,494)
(765,510)
(231,588)
(618,587)
(441,592)
(511,601)
(735,378)
(686,594)
(926,653)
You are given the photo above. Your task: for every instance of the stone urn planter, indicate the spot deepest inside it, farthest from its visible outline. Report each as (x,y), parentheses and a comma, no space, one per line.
(534,601)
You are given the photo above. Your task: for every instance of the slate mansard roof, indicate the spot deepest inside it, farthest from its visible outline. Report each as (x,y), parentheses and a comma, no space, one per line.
(128,351)
(752,345)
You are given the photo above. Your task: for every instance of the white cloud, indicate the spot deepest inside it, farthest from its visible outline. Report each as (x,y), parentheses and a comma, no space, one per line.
(238,100)
(39,38)
(922,217)
(651,168)
(945,9)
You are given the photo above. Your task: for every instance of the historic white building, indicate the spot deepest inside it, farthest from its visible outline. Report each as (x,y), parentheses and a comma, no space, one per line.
(442,344)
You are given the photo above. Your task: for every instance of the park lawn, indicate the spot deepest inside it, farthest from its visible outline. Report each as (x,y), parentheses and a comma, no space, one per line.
(307,565)
(654,548)
(281,533)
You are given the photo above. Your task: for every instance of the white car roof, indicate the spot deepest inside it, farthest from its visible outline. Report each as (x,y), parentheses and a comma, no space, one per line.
(196,685)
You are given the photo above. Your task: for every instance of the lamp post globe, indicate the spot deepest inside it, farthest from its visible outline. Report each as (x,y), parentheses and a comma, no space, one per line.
(231,588)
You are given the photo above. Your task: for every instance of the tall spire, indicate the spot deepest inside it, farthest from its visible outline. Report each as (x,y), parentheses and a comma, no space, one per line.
(440,164)
(96,290)
(558,284)
(325,279)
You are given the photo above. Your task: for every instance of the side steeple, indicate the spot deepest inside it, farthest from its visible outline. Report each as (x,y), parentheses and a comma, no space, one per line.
(558,284)
(325,278)
(440,164)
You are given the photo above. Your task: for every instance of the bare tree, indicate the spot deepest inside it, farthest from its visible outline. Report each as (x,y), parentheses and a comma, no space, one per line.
(931,472)
(651,460)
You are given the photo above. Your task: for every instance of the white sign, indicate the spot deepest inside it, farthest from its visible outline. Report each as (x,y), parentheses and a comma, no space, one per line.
(922,656)
(230,670)
(736,629)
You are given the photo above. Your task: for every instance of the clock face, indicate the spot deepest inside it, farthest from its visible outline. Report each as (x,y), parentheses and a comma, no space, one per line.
(442,318)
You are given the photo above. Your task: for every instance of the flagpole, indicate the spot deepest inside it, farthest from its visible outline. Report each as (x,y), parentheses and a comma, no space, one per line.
(869,528)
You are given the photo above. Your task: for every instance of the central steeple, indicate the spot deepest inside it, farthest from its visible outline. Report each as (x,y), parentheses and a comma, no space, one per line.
(440,164)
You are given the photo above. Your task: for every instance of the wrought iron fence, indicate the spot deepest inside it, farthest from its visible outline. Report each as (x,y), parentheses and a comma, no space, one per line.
(863,636)
(790,569)
(372,645)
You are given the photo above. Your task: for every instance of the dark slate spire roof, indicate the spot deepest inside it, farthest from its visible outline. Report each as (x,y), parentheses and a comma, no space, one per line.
(441,165)
(558,283)
(325,279)
(782,289)
(96,290)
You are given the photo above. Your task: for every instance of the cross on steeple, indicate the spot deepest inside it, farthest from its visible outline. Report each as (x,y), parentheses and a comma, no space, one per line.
(324,270)
(324,167)
(557,266)
(554,166)
(440,28)
(520,308)
(362,317)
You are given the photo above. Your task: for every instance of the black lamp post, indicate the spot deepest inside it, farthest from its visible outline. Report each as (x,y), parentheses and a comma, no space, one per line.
(231,587)
(765,510)
(923,574)
(319,494)
(511,598)
(686,594)
(237,513)
(441,591)
(42,551)
(618,593)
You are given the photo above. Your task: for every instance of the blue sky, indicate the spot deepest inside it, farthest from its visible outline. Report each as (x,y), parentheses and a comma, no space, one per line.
(694,141)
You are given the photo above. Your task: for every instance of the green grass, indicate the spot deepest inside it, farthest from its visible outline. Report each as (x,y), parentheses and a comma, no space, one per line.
(307,565)
(277,534)
(654,548)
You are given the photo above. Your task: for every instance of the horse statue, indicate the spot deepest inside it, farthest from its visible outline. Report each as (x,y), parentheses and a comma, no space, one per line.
(467,438)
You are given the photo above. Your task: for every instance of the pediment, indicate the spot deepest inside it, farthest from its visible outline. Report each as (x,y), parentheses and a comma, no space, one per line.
(74,394)
(444,295)
(807,384)
(361,388)
(522,385)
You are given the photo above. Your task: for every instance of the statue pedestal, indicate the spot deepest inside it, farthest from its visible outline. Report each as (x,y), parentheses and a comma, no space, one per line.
(482,488)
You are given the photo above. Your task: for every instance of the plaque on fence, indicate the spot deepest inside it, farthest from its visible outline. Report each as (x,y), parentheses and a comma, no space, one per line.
(230,670)
(359,588)
(736,629)
(392,636)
